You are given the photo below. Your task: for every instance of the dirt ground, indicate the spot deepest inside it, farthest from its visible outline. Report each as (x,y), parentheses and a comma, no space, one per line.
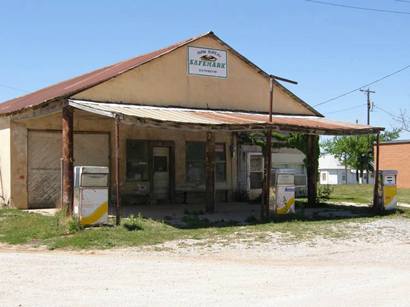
(370,269)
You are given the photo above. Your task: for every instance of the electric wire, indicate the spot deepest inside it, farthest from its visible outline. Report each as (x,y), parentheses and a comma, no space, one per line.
(365,85)
(13,88)
(347,109)
(359,7)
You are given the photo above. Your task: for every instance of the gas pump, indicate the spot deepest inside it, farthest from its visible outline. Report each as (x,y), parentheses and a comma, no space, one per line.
(91,194)
(282,191)
(388,189)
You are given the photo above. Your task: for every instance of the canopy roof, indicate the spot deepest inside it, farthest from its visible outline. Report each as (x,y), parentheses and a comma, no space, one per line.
(199,119)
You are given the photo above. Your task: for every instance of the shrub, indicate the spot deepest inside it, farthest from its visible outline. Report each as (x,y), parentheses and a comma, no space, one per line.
(74,225)
(323,192)
(134,223)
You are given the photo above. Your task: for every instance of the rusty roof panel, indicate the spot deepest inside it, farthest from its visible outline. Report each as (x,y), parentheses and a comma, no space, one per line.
(227,120)
(85,81)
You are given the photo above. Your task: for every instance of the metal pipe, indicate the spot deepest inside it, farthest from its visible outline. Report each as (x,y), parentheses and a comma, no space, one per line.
(117,172)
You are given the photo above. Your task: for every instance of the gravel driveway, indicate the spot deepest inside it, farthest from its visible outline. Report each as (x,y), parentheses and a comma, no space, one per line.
(373,269)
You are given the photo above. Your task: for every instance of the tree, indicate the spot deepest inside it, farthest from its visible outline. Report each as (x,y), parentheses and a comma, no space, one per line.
(356,152)
(404,120)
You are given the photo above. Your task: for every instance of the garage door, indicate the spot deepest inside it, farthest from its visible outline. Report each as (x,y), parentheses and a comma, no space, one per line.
(44,154)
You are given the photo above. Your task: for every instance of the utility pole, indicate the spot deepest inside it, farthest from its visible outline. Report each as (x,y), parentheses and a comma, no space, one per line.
(369,109)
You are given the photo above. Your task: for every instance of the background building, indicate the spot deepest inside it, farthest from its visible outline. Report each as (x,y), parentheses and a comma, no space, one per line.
(395,155)
(332,171)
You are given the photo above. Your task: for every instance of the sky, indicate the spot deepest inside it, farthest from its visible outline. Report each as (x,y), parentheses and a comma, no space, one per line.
(329,50)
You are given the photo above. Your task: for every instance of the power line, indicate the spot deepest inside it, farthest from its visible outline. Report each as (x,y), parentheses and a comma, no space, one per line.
(359,88)
(359,7)
(395,117)
(406,1)
(347,109)
(13,88)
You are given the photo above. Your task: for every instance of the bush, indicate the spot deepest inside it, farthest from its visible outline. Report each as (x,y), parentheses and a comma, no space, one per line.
(324,192)
(74,225)
(134,222)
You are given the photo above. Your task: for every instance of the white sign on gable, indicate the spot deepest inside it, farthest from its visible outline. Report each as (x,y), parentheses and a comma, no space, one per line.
(207,62)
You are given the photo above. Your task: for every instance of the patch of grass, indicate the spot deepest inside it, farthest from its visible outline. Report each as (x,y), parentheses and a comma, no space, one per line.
(361,193)
(18,227)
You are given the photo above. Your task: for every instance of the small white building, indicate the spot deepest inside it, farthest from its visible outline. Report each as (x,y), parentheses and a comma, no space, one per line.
(332,171)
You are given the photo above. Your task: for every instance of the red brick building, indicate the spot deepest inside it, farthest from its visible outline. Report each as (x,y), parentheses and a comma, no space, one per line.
(396,155)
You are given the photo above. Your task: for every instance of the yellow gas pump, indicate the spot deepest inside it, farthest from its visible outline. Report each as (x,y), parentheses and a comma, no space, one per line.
(388,186)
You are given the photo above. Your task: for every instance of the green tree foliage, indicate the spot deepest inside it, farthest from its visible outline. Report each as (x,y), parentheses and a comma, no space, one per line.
(352,151)
(279,140)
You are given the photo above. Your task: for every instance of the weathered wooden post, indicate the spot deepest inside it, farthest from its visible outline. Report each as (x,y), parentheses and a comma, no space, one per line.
(312,168)
(210,172)
(117,172)
(67,159)
(377,204)
(267,159)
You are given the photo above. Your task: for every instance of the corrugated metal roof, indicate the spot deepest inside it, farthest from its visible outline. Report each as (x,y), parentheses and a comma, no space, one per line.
(72,86)
(225,120)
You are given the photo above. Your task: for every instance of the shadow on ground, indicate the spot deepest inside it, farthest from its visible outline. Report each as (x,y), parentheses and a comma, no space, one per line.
(192,216)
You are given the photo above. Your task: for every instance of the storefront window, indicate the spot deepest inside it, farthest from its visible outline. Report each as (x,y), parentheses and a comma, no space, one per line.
(195,162)
(137,160)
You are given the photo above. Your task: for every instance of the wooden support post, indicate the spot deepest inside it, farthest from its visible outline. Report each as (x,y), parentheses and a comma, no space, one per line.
(377,204)
(117,172)
(67,160)
(312,168)
(210,172)
(267,169)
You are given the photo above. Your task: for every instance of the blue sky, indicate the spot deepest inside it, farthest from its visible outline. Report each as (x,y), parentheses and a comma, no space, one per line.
(328,50)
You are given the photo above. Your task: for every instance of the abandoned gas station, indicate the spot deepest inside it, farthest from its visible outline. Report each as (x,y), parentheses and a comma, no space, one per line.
(164,123)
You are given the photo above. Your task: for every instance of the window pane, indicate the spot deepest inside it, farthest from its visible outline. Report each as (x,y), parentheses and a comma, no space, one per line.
(137,160)
(160,164)
(195,172)
(256,180)
(256,164)
(195,151)
(220,154)
(220,171)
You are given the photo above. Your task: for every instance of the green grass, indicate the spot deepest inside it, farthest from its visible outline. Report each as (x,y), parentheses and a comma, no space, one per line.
(361,193)
(18,227)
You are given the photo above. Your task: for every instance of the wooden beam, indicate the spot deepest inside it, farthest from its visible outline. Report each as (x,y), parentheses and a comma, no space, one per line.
(117,172)
(67,160)
(312,168)
(210,172)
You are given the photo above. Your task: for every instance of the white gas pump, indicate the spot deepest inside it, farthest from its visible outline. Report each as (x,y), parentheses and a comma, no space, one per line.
(282,191)
(91,194)
(388,188)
